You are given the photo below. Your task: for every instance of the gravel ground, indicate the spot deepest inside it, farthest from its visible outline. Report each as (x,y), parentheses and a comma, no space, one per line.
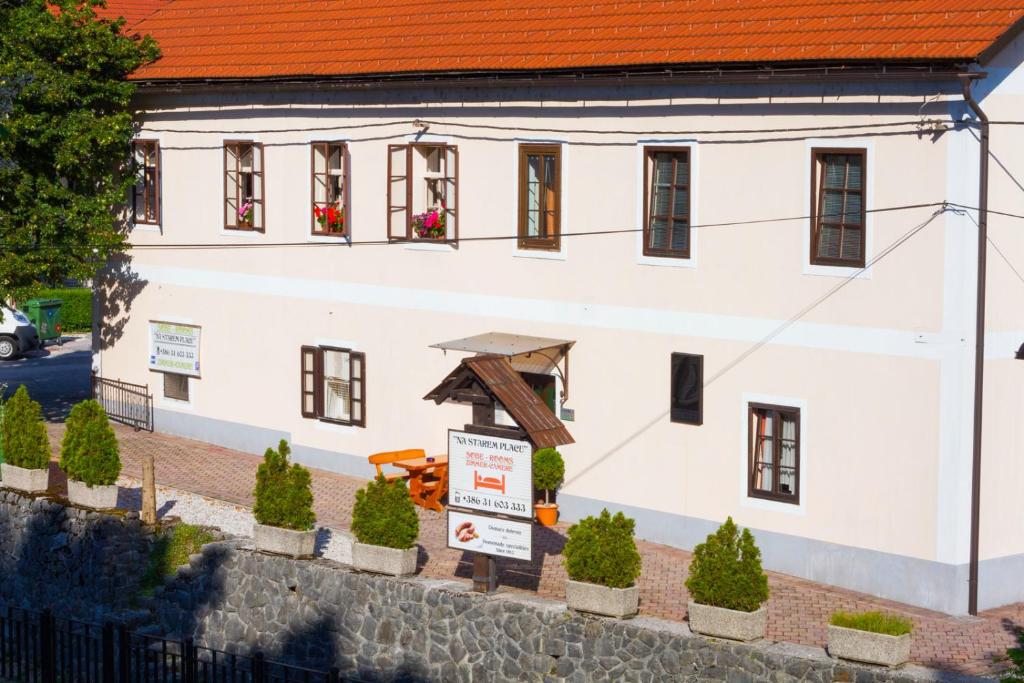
(236,520)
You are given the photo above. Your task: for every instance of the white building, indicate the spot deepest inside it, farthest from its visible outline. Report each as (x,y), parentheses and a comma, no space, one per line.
(776,198)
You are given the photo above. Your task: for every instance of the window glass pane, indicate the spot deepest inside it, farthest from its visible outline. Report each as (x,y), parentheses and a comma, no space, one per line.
(835,170)
(337,401)
(681,207)
(832,206)
(853,206)
(855,181)
(176,386)
(687,389)
(851,243)
(763,463)
(682,169)
(533,191)
(787,454)
(828,241)
(680,236)
(663,169)
(660,204)
(659,233)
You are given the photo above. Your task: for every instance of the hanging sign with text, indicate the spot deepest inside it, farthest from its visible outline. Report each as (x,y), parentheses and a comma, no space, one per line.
(490,535)
(174,348)
(490,473)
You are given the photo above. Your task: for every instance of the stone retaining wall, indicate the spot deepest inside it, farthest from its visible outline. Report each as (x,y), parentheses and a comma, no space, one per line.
(78,562)
(319,614)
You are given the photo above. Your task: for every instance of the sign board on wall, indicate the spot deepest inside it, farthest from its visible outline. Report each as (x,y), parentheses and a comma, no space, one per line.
(174,348)
(490,535)
(490,473)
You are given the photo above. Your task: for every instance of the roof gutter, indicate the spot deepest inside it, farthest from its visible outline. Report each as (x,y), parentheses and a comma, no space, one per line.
(671,75)
(979,347)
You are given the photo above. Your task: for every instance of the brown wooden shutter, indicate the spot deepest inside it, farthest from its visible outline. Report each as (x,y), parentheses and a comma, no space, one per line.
(399,190)
(346,193)
(357,387)
(309,381)
(451,191)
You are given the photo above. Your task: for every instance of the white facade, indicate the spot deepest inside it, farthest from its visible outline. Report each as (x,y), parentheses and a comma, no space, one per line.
(881,370)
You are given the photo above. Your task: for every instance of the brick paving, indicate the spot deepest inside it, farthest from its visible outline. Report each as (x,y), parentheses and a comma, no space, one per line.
(798,610)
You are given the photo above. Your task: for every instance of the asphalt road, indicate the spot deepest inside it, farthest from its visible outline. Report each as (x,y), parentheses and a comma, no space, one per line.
(57,376)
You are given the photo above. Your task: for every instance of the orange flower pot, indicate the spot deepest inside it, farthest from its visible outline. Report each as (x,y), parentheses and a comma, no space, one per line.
(547,515)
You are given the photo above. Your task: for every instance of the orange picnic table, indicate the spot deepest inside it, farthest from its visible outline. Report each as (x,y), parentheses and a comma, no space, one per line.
(428,480)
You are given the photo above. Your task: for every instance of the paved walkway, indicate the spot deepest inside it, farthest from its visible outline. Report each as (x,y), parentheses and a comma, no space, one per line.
(798,610)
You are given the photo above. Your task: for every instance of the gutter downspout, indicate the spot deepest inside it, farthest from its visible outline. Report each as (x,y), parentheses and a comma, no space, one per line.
(979,347)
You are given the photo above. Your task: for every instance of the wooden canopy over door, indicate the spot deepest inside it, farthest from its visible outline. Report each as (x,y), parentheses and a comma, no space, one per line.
(484,379)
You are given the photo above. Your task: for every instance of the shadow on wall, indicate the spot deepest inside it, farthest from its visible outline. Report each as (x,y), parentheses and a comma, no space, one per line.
(115,290)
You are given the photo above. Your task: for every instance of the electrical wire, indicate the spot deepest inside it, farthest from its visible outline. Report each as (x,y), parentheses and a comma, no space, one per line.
(489,238)
(1006,259)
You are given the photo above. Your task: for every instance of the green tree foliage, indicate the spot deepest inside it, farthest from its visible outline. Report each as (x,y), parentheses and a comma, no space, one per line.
(25,441)
(284,493)
(64,162)
(548,471)
(1016,656)
(726,571)
(89,451)
(601,550)
(384,515)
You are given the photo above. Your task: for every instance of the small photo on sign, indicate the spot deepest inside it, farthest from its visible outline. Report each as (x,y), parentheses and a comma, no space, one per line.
(465,535)
(490,535)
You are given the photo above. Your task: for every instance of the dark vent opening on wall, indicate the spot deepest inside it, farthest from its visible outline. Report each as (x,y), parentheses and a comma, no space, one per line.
(687,395)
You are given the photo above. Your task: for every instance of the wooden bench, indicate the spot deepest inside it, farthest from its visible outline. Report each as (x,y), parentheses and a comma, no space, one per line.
(388,457)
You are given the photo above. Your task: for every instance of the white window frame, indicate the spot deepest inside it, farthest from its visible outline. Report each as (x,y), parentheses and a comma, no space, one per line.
(803,484)
(564,209)
(693,147)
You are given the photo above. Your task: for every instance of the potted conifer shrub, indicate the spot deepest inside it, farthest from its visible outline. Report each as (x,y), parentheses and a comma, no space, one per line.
(727,586)
(871,637)
(26,446)
(603,564)
(284,505)
(385,524)
(548,473)
(89,456)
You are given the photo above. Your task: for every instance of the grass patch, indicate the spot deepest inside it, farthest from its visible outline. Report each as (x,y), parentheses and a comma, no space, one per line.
(170,551)
(875,622)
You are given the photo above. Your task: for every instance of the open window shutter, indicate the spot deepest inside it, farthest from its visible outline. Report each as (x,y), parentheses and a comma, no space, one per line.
(398,191)
(308,380)
(346,192)
(357,387)
(451,191)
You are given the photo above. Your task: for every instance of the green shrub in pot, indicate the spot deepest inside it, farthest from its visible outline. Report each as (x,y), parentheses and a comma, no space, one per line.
(284,494)
(601,550)
(384,515)
(726,571)
(25,442)
(89,451)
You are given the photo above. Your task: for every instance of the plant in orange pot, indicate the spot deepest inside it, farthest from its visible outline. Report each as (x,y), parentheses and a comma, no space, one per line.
(548,473)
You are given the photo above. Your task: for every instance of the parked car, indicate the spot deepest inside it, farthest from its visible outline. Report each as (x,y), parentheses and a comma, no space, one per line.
(17,333)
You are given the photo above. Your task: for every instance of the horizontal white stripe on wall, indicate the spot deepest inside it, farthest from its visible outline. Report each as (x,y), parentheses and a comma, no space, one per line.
(854,339)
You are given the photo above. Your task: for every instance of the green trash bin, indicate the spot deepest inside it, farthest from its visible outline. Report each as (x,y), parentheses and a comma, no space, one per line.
(45,315)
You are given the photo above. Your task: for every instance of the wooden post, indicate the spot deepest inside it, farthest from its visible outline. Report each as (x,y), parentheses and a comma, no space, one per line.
(485,573)
(148,489)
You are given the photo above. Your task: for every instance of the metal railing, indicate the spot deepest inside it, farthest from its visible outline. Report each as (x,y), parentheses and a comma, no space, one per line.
(36,647)
(124,402)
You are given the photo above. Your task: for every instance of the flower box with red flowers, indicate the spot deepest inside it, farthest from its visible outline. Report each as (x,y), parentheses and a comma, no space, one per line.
(331,219)
(429,225)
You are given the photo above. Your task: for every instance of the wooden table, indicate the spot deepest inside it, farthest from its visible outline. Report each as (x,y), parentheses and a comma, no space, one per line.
(428,481)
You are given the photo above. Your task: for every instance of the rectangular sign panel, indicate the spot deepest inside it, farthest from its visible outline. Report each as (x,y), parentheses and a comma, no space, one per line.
(174,348)
(490,473)
(490,535)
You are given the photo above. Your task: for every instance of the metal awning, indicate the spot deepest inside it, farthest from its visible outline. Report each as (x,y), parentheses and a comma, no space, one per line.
(504,344)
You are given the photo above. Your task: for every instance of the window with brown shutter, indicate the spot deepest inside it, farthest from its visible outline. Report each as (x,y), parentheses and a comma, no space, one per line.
(540,197)
(423,184)
(146,194)
(774,452)
(330,188)
(667,202)
(333,385)
(838,207)
(243,186)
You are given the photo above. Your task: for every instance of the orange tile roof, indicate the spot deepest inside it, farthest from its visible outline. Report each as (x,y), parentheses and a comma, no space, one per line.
(258,38)
(133,11)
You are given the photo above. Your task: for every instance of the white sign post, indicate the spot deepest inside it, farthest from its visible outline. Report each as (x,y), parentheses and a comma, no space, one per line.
(490,474)
(493,476)
(174,348)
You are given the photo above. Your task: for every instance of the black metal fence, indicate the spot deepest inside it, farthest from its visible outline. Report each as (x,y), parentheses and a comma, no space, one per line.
(36,647)
(124,402)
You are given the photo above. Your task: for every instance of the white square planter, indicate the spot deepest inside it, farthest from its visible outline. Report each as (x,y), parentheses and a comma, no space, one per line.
(611,602)
(727,623)
(381,560)
(23,479)
(96,497)
(864,646)
(280,541)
